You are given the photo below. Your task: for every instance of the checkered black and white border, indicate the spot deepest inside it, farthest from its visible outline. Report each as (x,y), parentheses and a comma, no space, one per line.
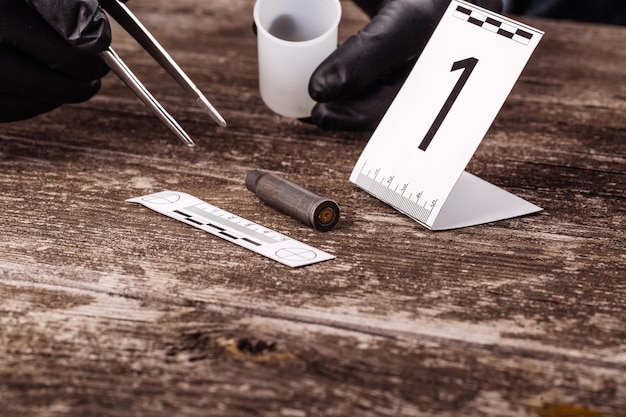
(493,25)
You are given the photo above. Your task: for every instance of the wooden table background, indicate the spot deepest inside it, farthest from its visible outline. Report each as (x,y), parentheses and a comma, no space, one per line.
(109,309)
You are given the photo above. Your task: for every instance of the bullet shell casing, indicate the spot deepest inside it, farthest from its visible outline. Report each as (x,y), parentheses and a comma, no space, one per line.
(293,200)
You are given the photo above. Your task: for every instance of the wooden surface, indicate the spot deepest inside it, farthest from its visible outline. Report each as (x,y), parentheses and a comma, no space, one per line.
(109,309)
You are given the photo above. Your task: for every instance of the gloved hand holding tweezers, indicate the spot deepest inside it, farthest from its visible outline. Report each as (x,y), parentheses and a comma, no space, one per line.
(56,53)
(49,54)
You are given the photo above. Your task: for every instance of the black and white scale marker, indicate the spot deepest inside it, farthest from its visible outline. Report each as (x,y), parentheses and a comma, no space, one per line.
(494,24)
(202,215)
(415,159)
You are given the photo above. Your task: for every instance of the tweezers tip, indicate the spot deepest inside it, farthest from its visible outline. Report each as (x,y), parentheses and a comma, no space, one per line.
(206,105)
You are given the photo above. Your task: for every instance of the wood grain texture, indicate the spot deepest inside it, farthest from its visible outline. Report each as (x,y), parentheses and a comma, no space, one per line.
(109,309)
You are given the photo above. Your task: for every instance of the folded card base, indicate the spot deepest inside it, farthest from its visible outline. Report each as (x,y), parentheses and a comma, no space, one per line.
(475,201)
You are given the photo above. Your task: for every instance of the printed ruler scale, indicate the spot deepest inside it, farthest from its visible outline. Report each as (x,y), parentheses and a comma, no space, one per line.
(202,215)
(395,194)
(416,157)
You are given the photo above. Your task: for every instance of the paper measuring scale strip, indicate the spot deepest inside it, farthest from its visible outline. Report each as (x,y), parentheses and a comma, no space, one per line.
(202,215)
(415,159)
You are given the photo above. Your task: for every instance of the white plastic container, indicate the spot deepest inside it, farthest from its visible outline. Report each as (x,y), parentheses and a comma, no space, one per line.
(293,38)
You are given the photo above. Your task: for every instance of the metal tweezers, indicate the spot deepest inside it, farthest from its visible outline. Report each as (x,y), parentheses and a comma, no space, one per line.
(122,14)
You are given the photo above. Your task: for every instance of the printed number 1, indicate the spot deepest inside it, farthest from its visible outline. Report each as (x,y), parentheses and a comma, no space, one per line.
(468,66)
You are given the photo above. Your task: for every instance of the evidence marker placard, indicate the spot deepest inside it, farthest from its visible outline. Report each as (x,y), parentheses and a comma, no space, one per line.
(462,78)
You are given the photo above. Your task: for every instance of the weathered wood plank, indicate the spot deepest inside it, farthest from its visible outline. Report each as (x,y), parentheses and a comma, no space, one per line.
(111,309)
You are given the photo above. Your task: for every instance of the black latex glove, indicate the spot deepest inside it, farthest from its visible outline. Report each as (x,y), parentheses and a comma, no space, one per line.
(48,54)
(356,84)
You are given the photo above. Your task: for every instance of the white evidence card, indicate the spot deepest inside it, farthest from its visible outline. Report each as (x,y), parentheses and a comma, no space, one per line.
(415,159)
(202,215)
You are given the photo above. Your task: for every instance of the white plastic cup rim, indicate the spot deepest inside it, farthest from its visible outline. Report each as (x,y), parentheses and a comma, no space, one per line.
(261,28)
